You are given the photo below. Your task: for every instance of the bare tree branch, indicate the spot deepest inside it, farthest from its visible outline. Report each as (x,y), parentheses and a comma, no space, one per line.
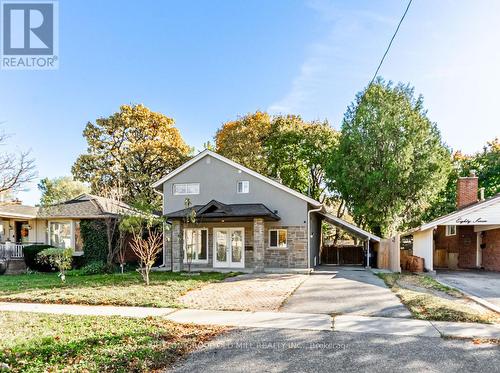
(15,170)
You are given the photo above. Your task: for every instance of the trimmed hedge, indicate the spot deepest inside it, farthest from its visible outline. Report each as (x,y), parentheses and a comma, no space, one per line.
(95,240)
(30,258)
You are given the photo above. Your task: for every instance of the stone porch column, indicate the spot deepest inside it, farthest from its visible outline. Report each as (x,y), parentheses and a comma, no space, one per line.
(176,246)
(258,244)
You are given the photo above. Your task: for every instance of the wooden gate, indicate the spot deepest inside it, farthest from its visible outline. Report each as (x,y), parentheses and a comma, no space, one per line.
(342,255)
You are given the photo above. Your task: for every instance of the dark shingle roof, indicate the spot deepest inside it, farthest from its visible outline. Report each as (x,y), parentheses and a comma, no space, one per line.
(215,210)
(86,206)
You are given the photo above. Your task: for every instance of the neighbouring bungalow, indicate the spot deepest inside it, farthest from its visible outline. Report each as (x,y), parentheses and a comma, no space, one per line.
(244,220)
(57,225)
(468,238)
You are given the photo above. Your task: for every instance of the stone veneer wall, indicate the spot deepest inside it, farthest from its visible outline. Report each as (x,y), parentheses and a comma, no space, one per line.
(177,244)
(294,256)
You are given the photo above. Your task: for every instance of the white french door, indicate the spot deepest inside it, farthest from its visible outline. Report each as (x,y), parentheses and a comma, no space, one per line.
(229,247)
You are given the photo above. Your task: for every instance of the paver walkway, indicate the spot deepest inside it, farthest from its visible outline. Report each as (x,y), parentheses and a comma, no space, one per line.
(251,292)
(342,290)
(275,320)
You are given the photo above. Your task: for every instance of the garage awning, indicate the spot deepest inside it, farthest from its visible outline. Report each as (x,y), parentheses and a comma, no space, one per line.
(348,227)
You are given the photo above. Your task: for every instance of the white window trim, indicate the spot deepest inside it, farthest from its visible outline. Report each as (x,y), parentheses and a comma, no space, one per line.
(448,230)
(187,193)
(242,188)
(72,233)
(278,238)
(193,261)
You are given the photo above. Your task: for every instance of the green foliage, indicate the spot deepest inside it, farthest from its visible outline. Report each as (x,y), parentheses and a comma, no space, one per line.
(285,147)
(297,152)
(391,163)
(116,289)
(242,140)
(94,268)
(58,258)
(486,164)
(30,258)
(65,343)
(133,148)
(95,240)
(144,217)
(60,189)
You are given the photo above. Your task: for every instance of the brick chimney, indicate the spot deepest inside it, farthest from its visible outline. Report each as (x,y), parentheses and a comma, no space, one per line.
(467,189)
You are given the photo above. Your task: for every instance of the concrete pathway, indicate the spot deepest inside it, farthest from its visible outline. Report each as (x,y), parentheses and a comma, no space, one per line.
(275,320)
(290,351)
(482,286)
(341,290)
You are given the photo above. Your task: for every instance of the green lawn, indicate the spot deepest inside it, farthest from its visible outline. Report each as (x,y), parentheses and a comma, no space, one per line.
(125,289)
(40,343)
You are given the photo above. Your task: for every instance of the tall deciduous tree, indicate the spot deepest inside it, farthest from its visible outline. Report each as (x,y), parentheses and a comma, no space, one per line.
(60,189)
(242,140)
(134,148)
(391,162)
(485,163)
(297,153)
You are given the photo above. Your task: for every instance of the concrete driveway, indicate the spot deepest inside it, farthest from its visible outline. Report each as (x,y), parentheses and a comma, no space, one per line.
(345,290)
(272,350)
(482,284)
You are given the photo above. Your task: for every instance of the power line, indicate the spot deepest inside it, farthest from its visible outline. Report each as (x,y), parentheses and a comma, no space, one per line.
(390,43)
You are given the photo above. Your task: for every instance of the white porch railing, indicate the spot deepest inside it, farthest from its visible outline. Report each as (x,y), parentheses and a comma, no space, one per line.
(13,249)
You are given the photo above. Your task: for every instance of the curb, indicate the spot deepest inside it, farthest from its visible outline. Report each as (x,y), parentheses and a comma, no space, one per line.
(479,300)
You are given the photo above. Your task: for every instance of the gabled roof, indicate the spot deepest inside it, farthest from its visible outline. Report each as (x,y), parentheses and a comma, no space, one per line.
(207,152)
(215,210)
(458,213)
(350,228)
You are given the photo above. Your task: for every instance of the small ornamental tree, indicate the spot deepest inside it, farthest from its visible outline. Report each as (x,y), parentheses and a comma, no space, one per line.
(147,238)
(57,258)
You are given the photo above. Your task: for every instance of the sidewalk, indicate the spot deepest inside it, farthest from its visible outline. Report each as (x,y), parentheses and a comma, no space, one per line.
(277,320)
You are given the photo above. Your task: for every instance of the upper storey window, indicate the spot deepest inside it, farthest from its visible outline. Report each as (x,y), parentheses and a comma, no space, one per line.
(243,186)
(186,188)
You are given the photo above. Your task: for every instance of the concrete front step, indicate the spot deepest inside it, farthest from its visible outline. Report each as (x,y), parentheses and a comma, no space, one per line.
(15,267)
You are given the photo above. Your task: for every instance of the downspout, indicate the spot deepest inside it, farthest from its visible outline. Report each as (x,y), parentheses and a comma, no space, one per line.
(309,233)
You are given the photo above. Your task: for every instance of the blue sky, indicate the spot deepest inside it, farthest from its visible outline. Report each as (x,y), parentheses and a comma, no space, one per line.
(204,63)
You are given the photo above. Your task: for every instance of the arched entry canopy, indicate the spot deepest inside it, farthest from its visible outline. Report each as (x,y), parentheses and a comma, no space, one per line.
(369,240)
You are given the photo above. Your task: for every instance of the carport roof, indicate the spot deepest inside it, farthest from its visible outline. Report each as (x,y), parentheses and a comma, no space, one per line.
(351,228)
